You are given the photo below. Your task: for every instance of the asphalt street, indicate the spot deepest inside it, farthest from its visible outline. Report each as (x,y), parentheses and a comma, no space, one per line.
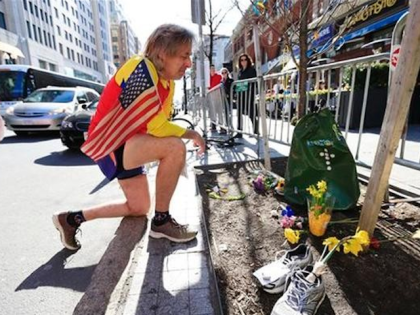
(39,176)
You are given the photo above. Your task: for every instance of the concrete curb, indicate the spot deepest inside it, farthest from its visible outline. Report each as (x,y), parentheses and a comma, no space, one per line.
(211,265)
(105,293)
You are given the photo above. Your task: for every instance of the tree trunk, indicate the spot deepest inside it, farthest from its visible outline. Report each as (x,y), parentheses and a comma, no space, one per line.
(303,62)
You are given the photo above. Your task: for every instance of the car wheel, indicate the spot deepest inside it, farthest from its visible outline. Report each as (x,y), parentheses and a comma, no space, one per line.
(68,143)
(21,133)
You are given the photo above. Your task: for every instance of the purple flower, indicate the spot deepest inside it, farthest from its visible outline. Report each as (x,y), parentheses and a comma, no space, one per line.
(259,185)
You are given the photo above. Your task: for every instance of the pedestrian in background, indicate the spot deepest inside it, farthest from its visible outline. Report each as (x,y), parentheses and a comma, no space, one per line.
(227,84)
(246,103)
(130,128)
(215,80)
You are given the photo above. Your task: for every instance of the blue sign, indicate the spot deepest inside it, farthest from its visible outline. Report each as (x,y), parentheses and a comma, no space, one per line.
(324,34)
(370,28)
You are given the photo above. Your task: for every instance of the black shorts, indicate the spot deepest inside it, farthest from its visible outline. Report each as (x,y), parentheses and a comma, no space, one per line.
(112,166)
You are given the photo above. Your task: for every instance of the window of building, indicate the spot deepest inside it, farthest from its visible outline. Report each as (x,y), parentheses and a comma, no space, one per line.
(2,21)
(36,10)
(78,58)
(53,39)
(66,35)
(42,64)
(49,40)
(60,46)
(31,8)
(28,28)
(25,5)
(70,38)
(45,38)
(42,14)
(56,12)
(53,67)
(64,18)
(68,22)
(68,53)
(58,30)
(40,35)
(46,16)
(34,29)
(51,22)
(72,54)
(67,6)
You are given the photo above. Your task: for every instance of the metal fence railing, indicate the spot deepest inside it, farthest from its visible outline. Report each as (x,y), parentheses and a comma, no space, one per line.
(342,87)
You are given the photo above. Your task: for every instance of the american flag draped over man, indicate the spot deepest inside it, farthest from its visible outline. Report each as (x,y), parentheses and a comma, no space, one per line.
(130,101)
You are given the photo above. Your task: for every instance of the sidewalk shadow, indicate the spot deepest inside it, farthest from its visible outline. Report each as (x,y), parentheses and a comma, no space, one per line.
(65,158)
(54,274)
(97,281)
(111,266)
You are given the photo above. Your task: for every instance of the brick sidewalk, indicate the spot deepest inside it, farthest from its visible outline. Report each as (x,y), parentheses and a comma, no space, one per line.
(172,278)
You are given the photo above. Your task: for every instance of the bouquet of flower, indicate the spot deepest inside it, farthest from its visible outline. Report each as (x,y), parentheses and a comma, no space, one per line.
(289,219)
(320,206)
(353,244)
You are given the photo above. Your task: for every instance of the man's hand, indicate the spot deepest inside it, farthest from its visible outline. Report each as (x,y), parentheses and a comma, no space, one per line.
(197,139)
(200,142)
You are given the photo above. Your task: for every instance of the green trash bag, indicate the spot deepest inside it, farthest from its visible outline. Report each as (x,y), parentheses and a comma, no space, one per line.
(320,152)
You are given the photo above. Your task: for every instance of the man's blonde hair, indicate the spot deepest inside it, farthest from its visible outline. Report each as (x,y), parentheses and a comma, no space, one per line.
(166,39)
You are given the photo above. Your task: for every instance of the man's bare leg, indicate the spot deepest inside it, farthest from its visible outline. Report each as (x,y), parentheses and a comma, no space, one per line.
(170,152)
(139,150)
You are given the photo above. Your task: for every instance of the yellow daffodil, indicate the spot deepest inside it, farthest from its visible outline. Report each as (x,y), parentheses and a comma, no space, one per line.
(322,186)
(331,242)
(291,235)
(352,246)
(312,190)
(416,234)
(362,237)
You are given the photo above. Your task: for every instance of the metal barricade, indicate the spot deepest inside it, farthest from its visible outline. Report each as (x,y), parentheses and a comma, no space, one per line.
(242,114)
(218,107)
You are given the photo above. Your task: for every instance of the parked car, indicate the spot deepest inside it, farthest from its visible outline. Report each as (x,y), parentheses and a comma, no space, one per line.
(74,127)
(45,109)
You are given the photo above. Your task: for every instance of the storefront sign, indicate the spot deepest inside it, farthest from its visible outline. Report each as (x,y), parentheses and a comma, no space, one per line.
(319,37)
(370,11)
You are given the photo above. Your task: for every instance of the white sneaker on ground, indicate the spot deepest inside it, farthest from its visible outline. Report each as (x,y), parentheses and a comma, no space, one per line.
(273,276)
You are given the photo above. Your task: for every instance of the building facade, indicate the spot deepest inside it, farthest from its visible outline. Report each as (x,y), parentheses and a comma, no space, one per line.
(338,30)
(72,37)
(124,42)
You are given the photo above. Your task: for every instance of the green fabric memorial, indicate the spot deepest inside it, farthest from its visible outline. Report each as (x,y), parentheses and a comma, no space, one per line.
(320,152)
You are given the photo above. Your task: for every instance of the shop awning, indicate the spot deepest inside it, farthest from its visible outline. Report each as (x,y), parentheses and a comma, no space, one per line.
(12,50)
(369,28)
